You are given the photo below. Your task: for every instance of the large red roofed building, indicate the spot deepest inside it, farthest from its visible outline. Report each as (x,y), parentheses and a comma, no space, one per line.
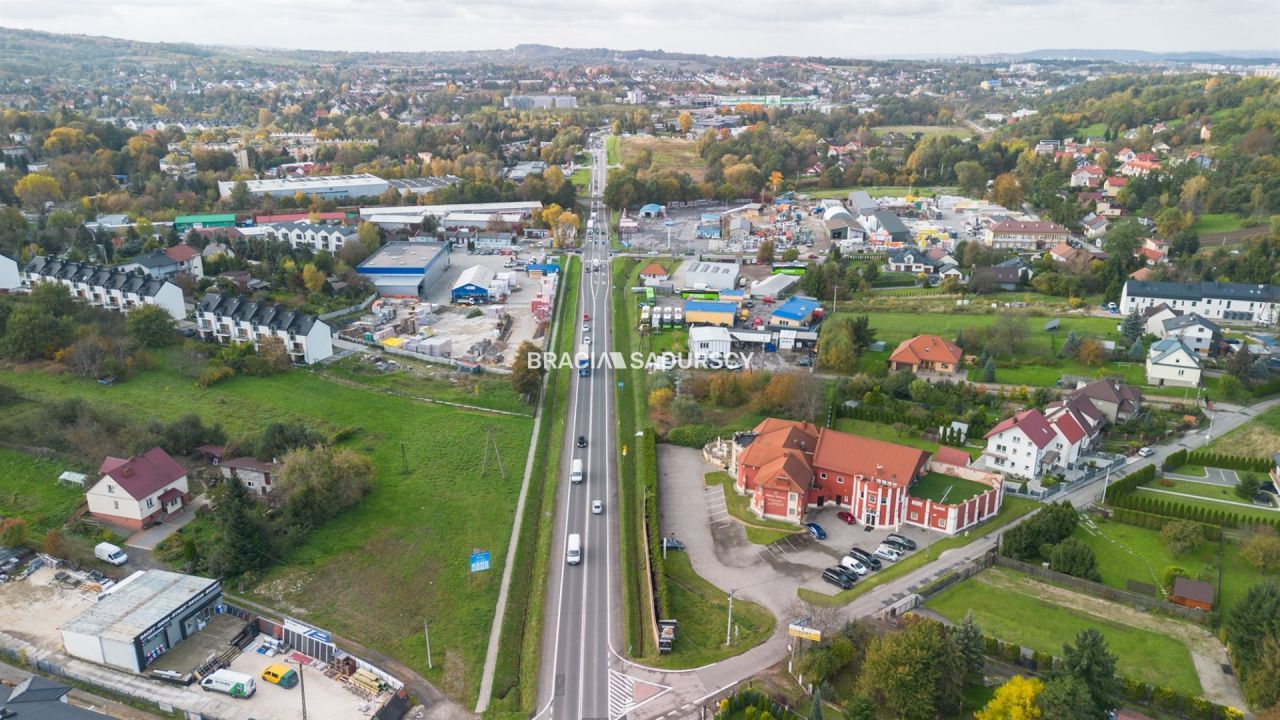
(786,467)
(139,491)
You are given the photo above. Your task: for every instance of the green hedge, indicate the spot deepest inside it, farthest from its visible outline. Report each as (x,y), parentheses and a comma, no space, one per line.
(1151,521)
(1127,484)
(1175,460)
(1173,508)
(1230,462)
(647,470)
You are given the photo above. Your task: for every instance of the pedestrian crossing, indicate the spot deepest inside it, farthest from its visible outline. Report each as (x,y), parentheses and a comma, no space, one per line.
(626,694)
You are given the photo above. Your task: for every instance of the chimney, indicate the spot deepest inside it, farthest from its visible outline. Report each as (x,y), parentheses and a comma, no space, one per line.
(127,470)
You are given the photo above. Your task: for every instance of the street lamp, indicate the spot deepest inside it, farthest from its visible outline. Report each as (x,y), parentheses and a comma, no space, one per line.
(302,687)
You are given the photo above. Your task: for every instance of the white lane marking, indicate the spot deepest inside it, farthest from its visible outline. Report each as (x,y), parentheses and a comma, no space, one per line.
(586,518)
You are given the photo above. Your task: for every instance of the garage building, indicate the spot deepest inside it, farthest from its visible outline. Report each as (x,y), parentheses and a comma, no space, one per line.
(143,617)
(709,342)
(711,276)
(405,269)
(708,312)
(773,286)
(472,286)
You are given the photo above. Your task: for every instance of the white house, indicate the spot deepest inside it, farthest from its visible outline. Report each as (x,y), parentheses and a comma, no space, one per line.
(139,491)
(329,238)
(226,319)
(1233,302)
(1171,362)
(709,341)
(109,288)
(1194,331)
(1155,316)
(1020,445)
(9,277)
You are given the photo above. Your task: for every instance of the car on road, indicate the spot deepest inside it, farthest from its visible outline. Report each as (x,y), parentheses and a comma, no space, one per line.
(846,517)
(836,577)
(582,441)
(586,328)
(854,564)
(816,530)
(586,318)
(586,339)
(1146,451)
(902,540)
(597,507)
(888,552)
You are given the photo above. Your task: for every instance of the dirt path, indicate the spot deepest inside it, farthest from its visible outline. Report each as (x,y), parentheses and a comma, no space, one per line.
(1207,653)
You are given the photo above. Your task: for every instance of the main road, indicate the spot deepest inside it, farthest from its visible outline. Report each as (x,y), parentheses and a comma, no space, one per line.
(581,617)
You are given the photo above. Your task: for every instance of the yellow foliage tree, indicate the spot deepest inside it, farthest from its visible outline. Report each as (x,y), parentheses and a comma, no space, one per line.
(685,122)
(312,278)
(1014,700)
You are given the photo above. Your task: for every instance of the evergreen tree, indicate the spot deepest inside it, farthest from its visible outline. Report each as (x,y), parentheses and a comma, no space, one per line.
(815,712)
(241,538)
(970,646)
(1065,698)
(989,371)
(1091,662)
(1070,345)
(1136,350)
(1131,329)
(1240,362)
(1252,619)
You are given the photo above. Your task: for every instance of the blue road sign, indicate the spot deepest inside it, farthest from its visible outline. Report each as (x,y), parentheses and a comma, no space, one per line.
(480,561)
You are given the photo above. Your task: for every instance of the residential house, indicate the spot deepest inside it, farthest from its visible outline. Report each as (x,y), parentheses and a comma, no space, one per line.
(139,491)
(1231,302)
(39,699)
(1126,155)
(225,319)
(926,352)
(329,238)
(1095,225)
(1142,274)
(1116,401)
(1113,185)
(1087,176)
(654,273)
(1140,168)
(108,288)
(1171,362)
(1153,318)
(10,279)
(1025,234)
(157,264)
(260,478)
(911,260)
(1197,333)
(1021,445)
(189,259)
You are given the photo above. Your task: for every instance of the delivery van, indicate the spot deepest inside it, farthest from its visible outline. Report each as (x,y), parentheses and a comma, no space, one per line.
(575,473)
(107,552)
(574,554)
(280,674)
(232,683)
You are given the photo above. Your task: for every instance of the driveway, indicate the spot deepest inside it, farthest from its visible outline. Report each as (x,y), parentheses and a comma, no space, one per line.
(1212,476)
(151,537)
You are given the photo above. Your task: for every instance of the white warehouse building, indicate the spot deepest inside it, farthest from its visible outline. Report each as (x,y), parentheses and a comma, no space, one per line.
(326,186)
(711,276)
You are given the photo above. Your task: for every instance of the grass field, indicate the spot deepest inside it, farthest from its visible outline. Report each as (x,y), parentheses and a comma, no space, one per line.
(893,328)
(1011,508)
(1025,616)
(1095,130)
(1190,470)
(29,489)
(703,612)
(1127,552)
(1253,511)
(1216,223)
(761,532)
(612,155)
(1260,435)
(936,486)
(956,130)
(377,570)
(675,153)
(581,178)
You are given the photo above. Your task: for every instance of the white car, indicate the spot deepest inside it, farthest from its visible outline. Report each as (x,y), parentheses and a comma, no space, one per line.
(1146,452)
(854,564)
(597,507)
(586,327)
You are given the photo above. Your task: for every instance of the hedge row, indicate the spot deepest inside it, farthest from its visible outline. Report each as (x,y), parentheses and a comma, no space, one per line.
(1170,701)
(1175,460)
(1129,483)
(648,473)
(1173,508)
(1151,521)
(1230,462)
(887,417)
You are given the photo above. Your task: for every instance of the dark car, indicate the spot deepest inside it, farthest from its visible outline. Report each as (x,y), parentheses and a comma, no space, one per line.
(901,548)
(582,441)
(816,531)
(836,577)
(902,540)
(805,362)
(672,544)
(867,558)
(846,517)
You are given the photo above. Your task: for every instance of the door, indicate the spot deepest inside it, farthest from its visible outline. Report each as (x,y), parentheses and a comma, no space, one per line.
(869,519)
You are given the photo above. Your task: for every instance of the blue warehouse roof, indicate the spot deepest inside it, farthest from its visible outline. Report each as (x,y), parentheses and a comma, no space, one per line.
(796,309)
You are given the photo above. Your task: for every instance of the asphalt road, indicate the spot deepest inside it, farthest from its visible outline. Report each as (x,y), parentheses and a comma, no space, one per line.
(581,615)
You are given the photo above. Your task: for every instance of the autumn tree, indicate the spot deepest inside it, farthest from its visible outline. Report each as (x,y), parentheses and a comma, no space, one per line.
(55,543)
(1014,700)
(775,181)
(685,122)
(35,190)
(1007,191)
(1262,549)
(319,481)
(13,532)
(765,253)
(1181,536)
(370,236)
(273,355)
(526,379)
(565,231)
(1091,352)
(312,278)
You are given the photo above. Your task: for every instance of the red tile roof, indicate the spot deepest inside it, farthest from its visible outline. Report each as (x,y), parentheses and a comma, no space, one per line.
(1116,181)
(952,456)
(142,475)
(1032,424)
(926,347)
(653,270)
(1070,429)
(853,455)
(169,495)
(787,473)
(775,438)
(181,252)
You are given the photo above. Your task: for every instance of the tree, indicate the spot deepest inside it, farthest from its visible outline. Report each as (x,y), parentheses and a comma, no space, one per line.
(790,255)
(859,707)
(370,236)
(685,122)
(1132,327)
(1091,662)
(1074,558)
(312,278)
(1240,363)
(1014,700)
(972,178)
(1248,486)
(13,532)
(1181,536)
(1171,221)
(150,326)
(1170,574)
(775,181)
(273,356)
(1091,352)
(969,645)
(33,332)
(1071,345)
(55,543)
(815,710)
(526,380)
(1136,351)
(1262,549)
(1262,683)
(871,272)
(318,482)
(241,538)
(1253,618)
(916,672)
(1007,191)
(35,190)
(240,197)
(950,285)
(1065,698)
(989,371)
(765,253)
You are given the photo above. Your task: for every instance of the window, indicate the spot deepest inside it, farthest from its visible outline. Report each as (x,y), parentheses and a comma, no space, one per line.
(839,481)
(116,503)
(111,488)
(822,475)
(151,503)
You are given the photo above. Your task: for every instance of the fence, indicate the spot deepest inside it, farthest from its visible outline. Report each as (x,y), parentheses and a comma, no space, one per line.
(350,309)
(1106,592)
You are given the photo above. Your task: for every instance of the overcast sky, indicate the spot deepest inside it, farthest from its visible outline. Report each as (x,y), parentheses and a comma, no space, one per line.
(842,28)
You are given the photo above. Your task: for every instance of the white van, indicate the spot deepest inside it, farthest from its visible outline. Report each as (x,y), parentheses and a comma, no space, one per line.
(107,552)
(573,555)
(230,682)
(575,473)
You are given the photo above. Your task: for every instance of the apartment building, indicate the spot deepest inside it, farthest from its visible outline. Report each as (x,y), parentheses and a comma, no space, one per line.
(329,238)
(109,288)
(225,319)
(1233,302)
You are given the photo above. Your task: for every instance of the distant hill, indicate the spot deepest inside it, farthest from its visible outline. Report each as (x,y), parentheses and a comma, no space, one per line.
(1144,56)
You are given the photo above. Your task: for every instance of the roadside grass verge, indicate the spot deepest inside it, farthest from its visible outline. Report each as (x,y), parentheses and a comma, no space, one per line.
(1190,471)
(29,489)
(1011,508)
(612,154)
(1261,435)
(515,681)
(1216,223)
(1034,622)
(761,532)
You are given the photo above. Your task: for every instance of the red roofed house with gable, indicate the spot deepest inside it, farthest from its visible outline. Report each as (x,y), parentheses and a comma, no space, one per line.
(926,352)
(787,467)
(139,491)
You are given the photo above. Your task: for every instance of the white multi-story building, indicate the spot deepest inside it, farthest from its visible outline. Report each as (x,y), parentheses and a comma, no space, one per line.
(330,186)
(329,238)
(1025,234)
(110,288)
(1238,302)
(1171,362)
(226,319)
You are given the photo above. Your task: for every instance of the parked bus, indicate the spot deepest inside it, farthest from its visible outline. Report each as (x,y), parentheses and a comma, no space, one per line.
(690,294)
(789,268)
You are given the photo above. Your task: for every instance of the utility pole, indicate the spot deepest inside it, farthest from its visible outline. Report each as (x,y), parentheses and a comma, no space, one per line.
(729,625)
(427,634)
(302,688)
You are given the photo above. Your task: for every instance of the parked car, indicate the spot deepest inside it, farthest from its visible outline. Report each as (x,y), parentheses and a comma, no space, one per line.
(854,564)
(896,545)
(846,517)
(1146,452)
(867,558)
(805,362)
(582,441)
(888,553)
(902,540)
(1262,499)
(838,578)
(816,530)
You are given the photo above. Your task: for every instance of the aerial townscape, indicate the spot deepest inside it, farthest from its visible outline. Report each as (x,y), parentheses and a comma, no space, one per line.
(857,363)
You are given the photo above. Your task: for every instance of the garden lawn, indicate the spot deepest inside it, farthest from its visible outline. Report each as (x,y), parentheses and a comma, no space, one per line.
(1209,491)
(880,431)
(1040,625)
(936,486)
(1095,130)
(1190,470)
(581,177)
(1245,510)
(1128,552)
(759,531)
(29,489)
(893,328)
(1261,435)
(1216,223)
(956,130)
(375,571)
(1011,508)
(703,612)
